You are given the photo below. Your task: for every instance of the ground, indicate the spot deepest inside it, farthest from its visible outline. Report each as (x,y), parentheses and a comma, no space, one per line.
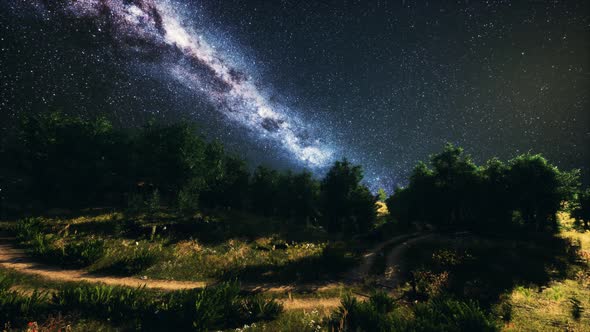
(308,272)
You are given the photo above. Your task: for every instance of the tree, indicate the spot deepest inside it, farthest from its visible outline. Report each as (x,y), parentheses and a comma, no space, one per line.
(400,206)
(168,157)
(494,202)
(305,194)
(345,202)
(67,161)
(538,188)
(456,179)
(264,190)
(381,195)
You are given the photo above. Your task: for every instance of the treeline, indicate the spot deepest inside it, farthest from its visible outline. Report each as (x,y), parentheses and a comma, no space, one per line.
(452,191)
(54,160)
(57,161)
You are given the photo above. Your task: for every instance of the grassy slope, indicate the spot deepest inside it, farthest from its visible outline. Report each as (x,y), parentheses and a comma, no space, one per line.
(559,302)
(552,307)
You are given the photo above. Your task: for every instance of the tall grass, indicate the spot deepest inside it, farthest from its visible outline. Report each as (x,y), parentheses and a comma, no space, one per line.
(65,251)
(18,307)
(380,314)
(217,307)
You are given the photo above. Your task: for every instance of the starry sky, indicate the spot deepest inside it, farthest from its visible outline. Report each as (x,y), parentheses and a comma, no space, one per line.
(299,84)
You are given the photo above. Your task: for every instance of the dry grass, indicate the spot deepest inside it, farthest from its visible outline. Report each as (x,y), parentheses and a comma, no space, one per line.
(553,308)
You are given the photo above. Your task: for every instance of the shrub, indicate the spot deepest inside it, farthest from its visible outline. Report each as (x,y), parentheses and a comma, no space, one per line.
(428,284)
(83,253)
(259,308)
(28,228)
(382,302)
(353,315)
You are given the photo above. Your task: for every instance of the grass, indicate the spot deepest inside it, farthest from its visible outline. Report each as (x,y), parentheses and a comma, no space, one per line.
(561,304)
(535,283)
(166,246)
(220,306)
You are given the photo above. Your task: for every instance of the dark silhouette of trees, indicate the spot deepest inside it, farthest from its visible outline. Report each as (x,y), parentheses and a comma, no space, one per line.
(55,160)
(168,157)
(64,161)
(537,189)
(288,195)
(454,191)
(346,204)
(305,195)
(264,191)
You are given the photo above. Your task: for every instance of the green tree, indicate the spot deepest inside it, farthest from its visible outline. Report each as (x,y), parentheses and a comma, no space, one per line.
(537,189)
(305,193)
(399,205)
(168,157)
(264,190)
(69,161)
(345,202)
(381,195)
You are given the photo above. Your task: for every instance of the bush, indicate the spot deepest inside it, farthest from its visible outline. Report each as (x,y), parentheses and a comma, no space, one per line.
(83,253)
(353,315)
(382,302)
(259,308)
(27,229)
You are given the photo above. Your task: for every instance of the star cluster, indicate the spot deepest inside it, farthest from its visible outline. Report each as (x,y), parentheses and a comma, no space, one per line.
(299,84)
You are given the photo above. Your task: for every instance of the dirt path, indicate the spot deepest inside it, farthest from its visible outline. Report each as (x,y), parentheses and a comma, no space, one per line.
(362,271)
(16,259)
(394,260)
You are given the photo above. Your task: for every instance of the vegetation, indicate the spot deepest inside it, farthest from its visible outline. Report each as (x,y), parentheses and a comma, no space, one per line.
(221,306)
(526,193)
(160,202)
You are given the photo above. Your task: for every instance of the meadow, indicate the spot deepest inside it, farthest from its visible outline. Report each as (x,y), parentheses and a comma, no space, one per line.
(497,283)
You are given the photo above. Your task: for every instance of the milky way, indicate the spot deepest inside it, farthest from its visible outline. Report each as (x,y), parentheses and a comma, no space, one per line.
(296,84)
(155,27)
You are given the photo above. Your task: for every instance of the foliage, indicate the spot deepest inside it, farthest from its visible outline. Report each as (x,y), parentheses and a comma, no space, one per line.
(442,314)
(346,204)
(66,251)
(451,315)
(138,260)
(261,308)
(18,307)
(65,161)
(215,307)
(458,193)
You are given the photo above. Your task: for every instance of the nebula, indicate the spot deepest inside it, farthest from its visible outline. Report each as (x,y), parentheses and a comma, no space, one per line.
(154,28)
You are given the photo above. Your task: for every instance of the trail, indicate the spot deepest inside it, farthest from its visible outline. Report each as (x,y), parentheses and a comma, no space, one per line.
(393,271)
(362,271)
(16,259)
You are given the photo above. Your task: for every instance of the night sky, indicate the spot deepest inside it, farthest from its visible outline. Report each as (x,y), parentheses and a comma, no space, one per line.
(299,84)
